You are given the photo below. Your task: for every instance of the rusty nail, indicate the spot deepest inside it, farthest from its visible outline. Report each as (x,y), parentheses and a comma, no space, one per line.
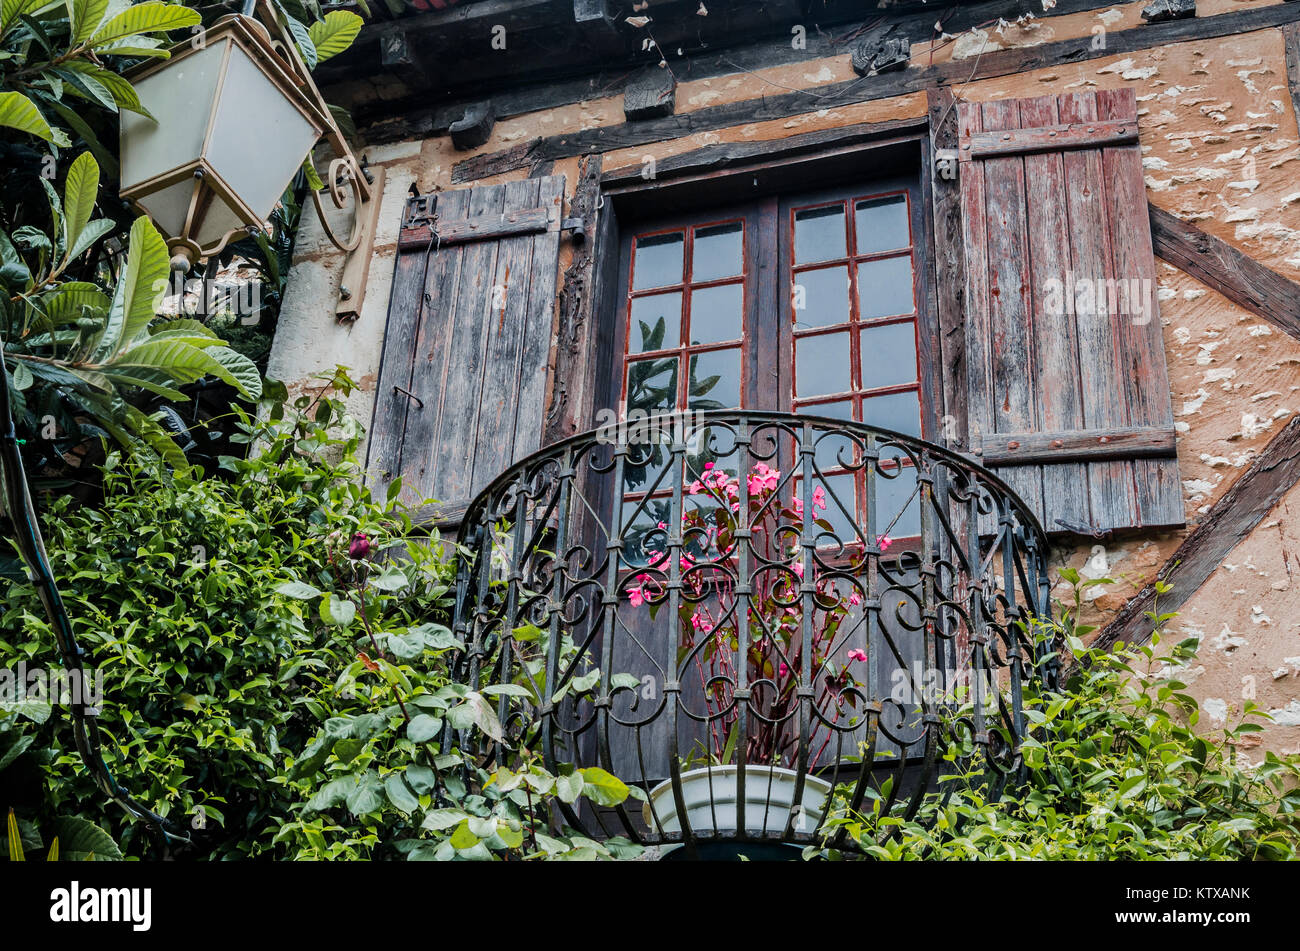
(1013,445)
(1058,443)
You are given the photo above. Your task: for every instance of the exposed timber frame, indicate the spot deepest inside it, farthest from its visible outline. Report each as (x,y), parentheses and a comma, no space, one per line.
(989,65)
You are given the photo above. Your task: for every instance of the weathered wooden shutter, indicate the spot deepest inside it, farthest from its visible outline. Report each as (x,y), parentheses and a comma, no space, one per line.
(1068,391)
(463,377)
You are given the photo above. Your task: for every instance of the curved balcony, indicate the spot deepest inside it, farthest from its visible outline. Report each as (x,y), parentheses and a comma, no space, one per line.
(750,607)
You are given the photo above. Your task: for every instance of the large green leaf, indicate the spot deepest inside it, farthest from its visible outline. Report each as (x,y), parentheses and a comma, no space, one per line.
(12,10)
(19,112)
(152,17)
(334,34)
(185,363)
(81,840)
(92,233)
(302,38)
(118,87)
(68,302)
(87,86)
(79,193)
(141,286)
(86,16)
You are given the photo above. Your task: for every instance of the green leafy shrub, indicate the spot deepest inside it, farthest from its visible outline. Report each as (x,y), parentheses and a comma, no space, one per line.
(1115,768)
(277,664)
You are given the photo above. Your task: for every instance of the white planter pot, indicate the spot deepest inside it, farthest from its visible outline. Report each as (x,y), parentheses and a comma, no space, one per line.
(711,806)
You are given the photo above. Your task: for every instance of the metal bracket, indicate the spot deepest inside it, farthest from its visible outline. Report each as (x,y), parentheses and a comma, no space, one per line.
(579,228)
(352,285)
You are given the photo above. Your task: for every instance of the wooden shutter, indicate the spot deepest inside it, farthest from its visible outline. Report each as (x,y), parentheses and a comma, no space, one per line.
(462,382)
(1069,404)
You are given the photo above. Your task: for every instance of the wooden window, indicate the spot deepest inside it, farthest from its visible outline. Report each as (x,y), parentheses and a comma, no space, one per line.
(705,322)
(855,353)
(1068,391)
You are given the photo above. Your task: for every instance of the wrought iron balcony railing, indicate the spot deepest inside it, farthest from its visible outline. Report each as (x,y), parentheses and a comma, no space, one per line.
(737,611)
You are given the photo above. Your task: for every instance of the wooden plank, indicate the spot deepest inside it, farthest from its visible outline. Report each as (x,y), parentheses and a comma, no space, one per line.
(979,335)
(1053,335)
(949,274)
(1012,367)
(480,228)
(539,329)
(498,397)
(1051,138)
(1250,499)
(1110,487)
(1157,487)
(437,333)
(1217,264)
(1016,449)
(783,106)
(396,366)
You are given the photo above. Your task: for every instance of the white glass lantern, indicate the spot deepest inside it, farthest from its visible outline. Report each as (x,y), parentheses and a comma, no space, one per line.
(232,124)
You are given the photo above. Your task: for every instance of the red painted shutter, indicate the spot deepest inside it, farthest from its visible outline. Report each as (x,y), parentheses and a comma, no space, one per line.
(462,380)
(1068,392)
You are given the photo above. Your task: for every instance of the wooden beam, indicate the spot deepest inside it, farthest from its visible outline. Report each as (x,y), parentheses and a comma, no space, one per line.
(1023,449)
(474,128)
(1291,33)
(725,155)
(1079,135)
(418,116)
(1232,519)
(651,95)
(1219,265)
(783,106)
(949,266)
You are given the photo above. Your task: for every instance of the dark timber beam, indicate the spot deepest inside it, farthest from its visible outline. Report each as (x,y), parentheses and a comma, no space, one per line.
(1220,266)
(1235,516)
(1292,34)
(887,86)
(780,36)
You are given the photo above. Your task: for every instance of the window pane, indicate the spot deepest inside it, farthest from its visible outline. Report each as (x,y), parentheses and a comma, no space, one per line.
(715,380)
(819,234)
(821,364)
(652,384)
(888,355)
(882,224)
(885,287)
(821,298)
(656,323)
(895,500)
(900,412)
(718,251)
(716,313)
(658,261)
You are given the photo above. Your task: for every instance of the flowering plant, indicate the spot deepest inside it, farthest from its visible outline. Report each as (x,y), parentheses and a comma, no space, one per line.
(760,616)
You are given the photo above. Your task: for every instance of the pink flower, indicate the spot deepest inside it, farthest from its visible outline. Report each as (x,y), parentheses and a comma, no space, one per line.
(783,669)
(855,599)
(884,541)
(708,465)
(857,654)
(819,498)
(797,567)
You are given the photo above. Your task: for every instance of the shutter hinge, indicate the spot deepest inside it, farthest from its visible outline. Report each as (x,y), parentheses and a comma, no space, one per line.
(578,226)
(945,163)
